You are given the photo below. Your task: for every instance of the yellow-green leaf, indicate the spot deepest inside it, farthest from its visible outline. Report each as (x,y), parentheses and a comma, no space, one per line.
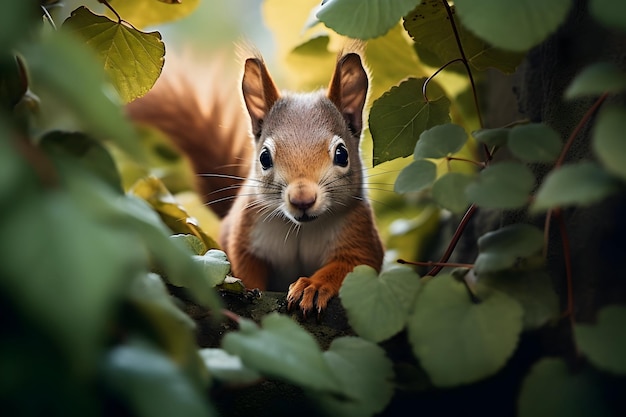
(132,59)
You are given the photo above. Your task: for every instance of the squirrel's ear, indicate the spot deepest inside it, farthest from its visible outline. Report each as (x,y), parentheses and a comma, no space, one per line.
(259,92)
(348,90)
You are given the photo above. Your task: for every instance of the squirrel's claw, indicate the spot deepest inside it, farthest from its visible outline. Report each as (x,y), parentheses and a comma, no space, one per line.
(310,295)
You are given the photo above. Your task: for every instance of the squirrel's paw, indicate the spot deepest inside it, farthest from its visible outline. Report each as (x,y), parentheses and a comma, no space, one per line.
(311,294)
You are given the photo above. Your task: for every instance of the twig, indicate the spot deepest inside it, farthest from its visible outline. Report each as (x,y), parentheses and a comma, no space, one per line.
(453,242)
(430,264)
(568,144)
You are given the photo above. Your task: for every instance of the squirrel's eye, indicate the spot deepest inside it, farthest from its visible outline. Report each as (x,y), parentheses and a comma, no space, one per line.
(341,155)
(266,159)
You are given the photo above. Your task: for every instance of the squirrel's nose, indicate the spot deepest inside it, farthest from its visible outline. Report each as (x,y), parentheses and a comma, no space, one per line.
(303,202)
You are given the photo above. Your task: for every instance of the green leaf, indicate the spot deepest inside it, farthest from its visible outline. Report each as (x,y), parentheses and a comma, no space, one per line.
(169,326)
(378,306)
(362,19)
(16,20)
(175,216)
(608,12)
(507,247)
(67,268)
(535,142)
(504,185)
(400,115)
(194,243)
(173,260)
(152,385)
(551,389)
(605,342)
(430,28)
(596,79)
(449,191)
(532,289)
(215,266)
(578,184)
(282,349)
(365,373)
(132,59)
(415,177)
(608,139)
(72,73)
(515,25)
(492,137)
(143,13)
(148,290)
(90,154)
(440,141)
(228,368)
(458,341)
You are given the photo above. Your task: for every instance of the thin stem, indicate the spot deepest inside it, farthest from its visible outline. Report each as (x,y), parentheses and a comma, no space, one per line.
(569,312)
(457,38)
(48,17)
(568,144)
(430,264)
(453,242)
(106,3)
(234,317)
(471,161)
(434,75)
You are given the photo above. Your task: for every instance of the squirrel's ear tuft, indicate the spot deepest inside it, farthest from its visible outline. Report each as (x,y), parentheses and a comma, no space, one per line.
(259,92)
(348,90)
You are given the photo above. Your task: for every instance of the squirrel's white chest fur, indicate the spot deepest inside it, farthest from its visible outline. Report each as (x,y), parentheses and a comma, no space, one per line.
(292,250)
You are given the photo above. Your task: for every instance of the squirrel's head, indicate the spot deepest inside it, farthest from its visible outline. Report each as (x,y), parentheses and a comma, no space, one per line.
(306,160)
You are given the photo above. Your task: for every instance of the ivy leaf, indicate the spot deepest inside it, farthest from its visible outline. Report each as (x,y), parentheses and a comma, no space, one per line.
(415,177)
(215,266)
(282,349)
(581,184)
(430,28)
(362,19)
(378,306)
(608,139)
(515,25)
(609,13)
(535,142)
(144,13)
(550,389)
(440,141)
(532,289)
(449,191)
(365,373)
(458,341)
(596,79)
(492,137)
(605,342)
(507,247)
(505,185)
(151,383)
(228,368)
(400,115)
(132,59)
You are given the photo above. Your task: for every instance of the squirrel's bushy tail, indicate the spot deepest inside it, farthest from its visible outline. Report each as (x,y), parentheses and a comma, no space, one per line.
(200,110)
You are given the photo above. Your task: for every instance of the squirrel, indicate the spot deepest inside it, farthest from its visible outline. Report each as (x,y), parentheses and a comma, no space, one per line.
(300,220)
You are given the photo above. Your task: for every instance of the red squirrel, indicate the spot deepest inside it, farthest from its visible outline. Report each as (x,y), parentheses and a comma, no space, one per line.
(300,220)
